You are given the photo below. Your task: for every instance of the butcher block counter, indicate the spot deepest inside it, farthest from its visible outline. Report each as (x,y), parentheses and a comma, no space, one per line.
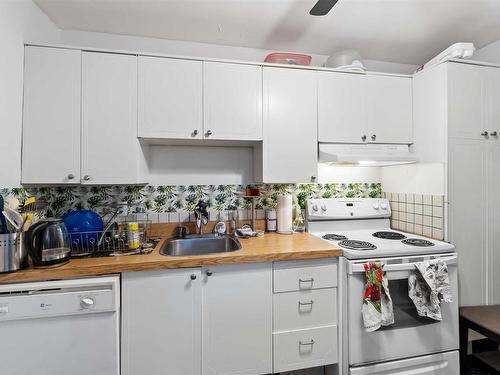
(271,247)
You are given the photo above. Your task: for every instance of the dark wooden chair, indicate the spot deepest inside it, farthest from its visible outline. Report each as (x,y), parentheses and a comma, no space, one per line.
(486,321)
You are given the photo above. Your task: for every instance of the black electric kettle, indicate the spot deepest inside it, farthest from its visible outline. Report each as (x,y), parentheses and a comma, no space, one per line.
(48,243)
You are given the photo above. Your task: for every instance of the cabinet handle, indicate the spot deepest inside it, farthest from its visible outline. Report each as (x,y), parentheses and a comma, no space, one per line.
(484,134)
(71,176)
(374,137)
(363,138)
(209,273)
(311,342)
(311,281)
(193,277)
(194,133)
(494,133)
(208,133)
(86,177)
(310,303)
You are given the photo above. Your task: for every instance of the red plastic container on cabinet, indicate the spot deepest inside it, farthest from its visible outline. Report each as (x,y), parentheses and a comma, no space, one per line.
(288,58)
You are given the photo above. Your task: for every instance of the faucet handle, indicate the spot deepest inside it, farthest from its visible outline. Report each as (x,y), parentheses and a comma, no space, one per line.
(182,231)
(201,208)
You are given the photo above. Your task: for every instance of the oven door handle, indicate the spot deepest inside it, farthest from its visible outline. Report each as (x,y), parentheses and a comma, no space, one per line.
(359,267)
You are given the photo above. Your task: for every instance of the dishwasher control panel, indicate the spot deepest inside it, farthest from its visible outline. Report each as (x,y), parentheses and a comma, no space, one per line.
(51,299)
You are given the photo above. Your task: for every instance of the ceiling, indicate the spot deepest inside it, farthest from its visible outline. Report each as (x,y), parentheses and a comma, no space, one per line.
(404,31)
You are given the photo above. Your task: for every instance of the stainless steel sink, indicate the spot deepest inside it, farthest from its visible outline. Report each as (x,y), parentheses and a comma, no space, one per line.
(199,245)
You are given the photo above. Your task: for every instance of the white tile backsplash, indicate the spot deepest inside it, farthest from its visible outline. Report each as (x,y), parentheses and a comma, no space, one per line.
(417,213)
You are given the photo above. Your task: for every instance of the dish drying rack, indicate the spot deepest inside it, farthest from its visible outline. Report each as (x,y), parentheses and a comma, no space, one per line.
(113,241)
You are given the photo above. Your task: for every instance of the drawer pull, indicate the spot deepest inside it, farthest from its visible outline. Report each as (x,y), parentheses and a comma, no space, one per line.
(310,303)
(306,343)
(308,281)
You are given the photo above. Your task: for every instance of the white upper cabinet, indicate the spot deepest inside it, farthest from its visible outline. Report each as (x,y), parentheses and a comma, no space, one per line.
(290,141)
(237,319)
(109,118)
(170,98)
(364,108)
(51,119)
(232,95)
(389,109)
(491,101)
(341,107)
(161,322)
(466,98)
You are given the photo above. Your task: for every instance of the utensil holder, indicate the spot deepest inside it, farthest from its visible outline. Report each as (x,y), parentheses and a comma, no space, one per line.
(13,253)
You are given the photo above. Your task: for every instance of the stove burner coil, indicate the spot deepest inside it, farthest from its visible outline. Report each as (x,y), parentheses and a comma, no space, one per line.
(334,237)
(357,245)
(389,235)
(418,242)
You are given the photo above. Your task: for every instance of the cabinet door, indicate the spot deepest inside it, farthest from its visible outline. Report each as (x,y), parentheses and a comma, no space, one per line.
(237,319)
(232,101)
(467,216)
(161,322)
(341,107)
(389,109)
(466,98)
(109,118)
(290,142)
(170,98)
(51,119)
(491,77)
(493,256)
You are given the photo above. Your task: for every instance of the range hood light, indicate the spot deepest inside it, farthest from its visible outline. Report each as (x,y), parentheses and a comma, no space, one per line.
(364,154)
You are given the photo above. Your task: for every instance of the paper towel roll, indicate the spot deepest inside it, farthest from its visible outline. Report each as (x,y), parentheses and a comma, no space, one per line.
(284,214)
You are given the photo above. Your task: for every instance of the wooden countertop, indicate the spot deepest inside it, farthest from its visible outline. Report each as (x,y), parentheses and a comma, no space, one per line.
(271,247)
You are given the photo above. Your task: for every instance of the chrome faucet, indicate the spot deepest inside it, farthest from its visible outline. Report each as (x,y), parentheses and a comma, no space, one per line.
(201,215)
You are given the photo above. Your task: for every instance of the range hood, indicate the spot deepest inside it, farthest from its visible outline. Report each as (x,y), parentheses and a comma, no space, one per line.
(365,154)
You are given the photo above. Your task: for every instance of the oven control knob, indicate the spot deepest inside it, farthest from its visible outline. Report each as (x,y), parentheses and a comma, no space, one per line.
(315,207)
(383,206)
(376,206)
(323,207)
(87,302)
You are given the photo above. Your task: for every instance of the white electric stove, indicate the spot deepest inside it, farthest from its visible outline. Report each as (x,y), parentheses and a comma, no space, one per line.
(361,227)
(413,344)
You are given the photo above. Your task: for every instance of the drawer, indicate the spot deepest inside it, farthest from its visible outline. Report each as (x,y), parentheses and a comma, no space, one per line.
(305,309)
(315,276)
(305,348)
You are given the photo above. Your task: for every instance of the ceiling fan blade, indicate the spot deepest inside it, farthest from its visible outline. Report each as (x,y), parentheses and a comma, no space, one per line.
(322,7)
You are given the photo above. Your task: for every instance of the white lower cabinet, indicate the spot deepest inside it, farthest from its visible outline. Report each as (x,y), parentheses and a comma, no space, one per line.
(305,309)
(161,322)
(304,314)
(215,320)
(237,319)
(294,350)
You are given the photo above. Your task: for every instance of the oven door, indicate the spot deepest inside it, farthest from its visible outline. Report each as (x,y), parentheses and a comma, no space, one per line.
(411,335)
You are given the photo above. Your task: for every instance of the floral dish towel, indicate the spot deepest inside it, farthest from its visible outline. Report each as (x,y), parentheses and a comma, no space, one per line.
(428,286)
(377,303)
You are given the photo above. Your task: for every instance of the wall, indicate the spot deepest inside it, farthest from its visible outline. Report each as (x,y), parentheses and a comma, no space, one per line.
(421,178)
(489,53)
(174,47)
(20,21)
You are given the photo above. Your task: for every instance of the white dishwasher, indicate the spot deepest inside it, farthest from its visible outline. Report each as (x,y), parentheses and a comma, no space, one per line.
(68,327)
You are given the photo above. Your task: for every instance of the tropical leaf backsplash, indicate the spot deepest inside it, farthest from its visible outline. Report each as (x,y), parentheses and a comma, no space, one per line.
(170,198)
